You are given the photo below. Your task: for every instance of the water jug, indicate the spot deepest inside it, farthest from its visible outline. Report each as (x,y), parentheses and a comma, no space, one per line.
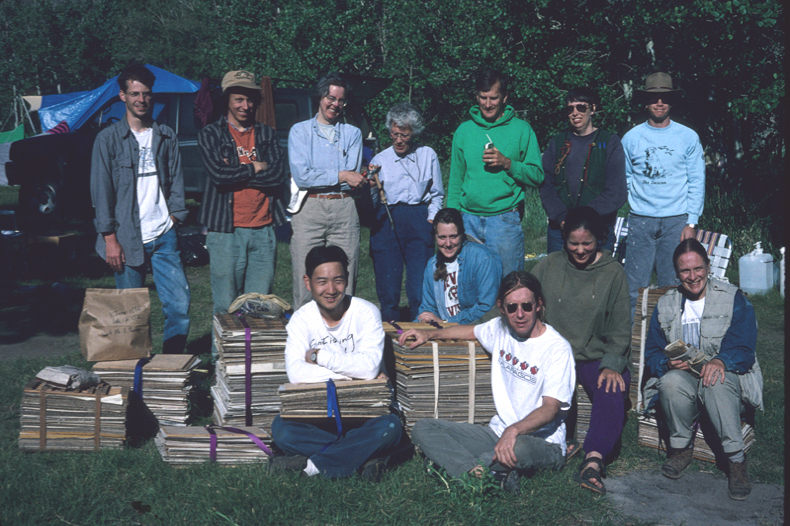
(756,271)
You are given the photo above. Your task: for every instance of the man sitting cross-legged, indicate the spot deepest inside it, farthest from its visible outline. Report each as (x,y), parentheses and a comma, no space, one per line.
(335,337)
(532,378)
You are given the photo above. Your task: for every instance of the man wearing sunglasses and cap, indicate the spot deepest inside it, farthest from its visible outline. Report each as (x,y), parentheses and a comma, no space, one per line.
(246,175)
(665,173)
(532,379)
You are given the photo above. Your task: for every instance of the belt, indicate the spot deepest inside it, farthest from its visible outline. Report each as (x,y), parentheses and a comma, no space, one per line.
(340,195)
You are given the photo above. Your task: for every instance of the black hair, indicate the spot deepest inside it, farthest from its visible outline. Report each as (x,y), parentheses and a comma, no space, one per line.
(521,279)
(587,218)
(328,254)
(583,94)
(331,79)
(446,216)
(487,78)
(254,94)
(136,72)
(686,246)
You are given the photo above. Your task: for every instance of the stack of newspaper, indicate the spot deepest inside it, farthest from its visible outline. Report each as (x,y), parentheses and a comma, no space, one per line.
(190,445)
(166,383)
(652,436)
(355,398)
(86,419)
(263,377)
(448,379)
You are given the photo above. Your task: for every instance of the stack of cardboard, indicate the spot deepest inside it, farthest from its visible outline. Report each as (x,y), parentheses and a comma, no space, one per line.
(86,419)
(448,379)
(651,435)
(166,383)
(355,398)
(191,445)
(266,370)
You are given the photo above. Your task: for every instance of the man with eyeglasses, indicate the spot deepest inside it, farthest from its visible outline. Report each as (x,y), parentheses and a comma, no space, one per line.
(137,189)
(665,173)
(495,157)
(325,155)
(532,379)
(582,166)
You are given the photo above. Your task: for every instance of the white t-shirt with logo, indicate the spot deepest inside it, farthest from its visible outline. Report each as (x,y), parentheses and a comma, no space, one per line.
(451,289)
(154,216)
(692,314)
(523,372)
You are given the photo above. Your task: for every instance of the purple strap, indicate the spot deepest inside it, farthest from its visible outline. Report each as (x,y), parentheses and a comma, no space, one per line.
(137,383)
(397,327)
(247,370)
(213,440)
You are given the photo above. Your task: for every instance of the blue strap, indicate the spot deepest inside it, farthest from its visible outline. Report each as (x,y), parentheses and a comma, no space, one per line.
(332,409)
(138,376)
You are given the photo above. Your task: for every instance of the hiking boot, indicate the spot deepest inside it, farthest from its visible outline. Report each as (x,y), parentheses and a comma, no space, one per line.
(679,459)
(373,470)
(280,463)
(508,481)
(738,486)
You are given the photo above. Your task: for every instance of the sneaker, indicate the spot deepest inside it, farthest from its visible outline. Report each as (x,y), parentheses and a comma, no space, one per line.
(373,470)
(509,481)
(738,486)
(280,463)
(679,459)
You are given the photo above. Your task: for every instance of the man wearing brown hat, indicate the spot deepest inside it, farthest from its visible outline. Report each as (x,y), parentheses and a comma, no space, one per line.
(665,172)
(242,201)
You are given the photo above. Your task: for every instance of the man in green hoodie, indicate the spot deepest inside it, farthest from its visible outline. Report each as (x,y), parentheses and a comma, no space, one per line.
(495,156)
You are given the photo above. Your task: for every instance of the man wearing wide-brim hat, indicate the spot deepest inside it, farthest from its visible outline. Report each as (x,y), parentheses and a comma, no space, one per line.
(665,173)
(243,201)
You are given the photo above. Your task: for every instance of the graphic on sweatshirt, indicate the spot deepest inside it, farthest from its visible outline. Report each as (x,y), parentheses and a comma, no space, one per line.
(511,364)
(346,344)
(654,168)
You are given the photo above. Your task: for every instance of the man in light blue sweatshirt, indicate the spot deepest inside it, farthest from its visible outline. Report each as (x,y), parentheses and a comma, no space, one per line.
(665,173)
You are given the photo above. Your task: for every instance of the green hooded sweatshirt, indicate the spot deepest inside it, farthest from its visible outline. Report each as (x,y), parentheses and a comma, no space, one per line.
(477,189)
(590,308)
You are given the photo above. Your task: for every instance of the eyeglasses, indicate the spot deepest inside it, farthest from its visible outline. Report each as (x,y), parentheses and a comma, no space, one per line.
(404,136)
(581,108)
(513,307)
(139,94)
(340,102)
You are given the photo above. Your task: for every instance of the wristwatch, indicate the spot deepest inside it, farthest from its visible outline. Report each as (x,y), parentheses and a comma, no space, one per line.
(692,226)
(314,357)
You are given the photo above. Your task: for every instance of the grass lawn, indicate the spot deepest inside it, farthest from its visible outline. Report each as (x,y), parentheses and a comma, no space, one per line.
(134,486)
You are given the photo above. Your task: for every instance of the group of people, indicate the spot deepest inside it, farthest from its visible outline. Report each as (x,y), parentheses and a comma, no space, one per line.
(567,322)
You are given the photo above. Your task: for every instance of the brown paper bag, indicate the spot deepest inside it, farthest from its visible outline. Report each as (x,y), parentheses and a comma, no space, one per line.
(115,324)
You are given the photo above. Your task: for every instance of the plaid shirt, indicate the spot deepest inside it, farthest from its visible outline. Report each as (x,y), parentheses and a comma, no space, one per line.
(216,146)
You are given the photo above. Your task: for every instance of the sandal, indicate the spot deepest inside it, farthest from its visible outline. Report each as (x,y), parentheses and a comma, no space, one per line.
(589,473)
(572,447)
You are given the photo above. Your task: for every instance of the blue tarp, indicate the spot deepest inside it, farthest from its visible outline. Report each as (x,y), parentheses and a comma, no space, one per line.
(76,108)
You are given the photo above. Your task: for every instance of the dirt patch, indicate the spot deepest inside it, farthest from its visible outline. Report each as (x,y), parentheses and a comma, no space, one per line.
(41,346)
(696,499)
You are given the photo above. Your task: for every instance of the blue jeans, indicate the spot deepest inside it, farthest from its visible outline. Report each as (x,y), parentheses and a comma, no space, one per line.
(344,456)
(170,281)
(554,242)
(502,234)
(412,244)
(650,243)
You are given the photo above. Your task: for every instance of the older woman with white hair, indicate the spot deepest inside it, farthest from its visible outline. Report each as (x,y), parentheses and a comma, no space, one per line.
(412,185)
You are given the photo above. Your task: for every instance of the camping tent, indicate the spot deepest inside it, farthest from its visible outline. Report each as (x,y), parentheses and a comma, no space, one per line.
(76,108)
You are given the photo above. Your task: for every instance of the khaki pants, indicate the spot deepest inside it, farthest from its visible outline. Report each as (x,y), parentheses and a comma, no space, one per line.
(681,395)
(324,222)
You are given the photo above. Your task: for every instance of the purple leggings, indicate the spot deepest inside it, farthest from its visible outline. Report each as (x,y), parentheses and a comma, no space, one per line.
(608,409)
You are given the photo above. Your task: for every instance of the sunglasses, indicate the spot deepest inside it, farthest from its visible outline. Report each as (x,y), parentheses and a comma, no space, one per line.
(513,307)
(581,108)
